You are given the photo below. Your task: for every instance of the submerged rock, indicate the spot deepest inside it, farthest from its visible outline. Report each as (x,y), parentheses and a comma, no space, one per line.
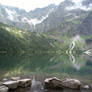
(24,82)
(11,84)
(5,79)
(3,89)
(86,87)
(57,83)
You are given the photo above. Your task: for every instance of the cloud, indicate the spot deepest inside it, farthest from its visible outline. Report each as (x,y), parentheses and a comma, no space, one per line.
(77,1)
(29,4)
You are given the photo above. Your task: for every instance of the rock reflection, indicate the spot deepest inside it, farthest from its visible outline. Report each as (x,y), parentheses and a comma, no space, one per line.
(36,86)
(71,47)
(51,90)
(77,65)
(21,90)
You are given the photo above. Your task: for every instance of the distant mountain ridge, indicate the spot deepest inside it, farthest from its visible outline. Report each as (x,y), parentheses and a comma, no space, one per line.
(20,18)
(69,17)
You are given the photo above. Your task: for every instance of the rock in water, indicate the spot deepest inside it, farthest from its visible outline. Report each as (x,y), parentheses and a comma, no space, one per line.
(71,83)
(11,84)
(24,82)
(57,83)
(3,89)
(52,83)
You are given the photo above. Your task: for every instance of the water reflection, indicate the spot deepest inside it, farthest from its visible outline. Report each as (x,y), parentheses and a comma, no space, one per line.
(72,57)
(67,90)
(36,86)
(63,90)
(50,90)
(75,63)
(47,65)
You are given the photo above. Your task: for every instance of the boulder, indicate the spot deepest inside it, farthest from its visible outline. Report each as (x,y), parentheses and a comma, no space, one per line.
(24,82)
(52,83)
(71,83)
(57,83)
(11,84)
(3,89)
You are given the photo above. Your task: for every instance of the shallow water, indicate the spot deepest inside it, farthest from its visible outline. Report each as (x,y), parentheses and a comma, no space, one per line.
(43,66)
(37,87)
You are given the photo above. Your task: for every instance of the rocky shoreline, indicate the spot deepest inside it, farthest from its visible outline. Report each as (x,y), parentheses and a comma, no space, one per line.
(13,84)
(16,84)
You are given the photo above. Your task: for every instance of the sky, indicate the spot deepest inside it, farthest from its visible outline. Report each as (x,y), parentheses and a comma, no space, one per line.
(29,4)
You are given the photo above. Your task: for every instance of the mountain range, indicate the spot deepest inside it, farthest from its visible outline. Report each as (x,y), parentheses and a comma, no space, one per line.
(20,18)
(69,17)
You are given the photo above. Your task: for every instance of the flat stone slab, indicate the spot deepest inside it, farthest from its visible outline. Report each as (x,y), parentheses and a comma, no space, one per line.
(57,83)
(24,82)
(15,78)
(11,84)
(3,89)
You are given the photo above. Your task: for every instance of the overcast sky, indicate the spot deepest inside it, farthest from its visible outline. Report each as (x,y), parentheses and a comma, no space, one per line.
(29,4)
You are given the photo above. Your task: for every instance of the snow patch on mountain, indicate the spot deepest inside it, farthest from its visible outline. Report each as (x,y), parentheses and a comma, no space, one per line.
(35,21)
(31,21)
(89,8)
(10,14)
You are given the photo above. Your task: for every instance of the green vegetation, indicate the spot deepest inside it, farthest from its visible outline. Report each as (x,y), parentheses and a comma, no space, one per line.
(27,48)
(49,65)
(13,40)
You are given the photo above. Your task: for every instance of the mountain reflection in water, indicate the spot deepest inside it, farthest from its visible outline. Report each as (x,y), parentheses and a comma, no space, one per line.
(61,66)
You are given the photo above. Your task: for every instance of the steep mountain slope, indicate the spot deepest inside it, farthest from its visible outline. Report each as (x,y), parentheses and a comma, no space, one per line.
(13,40)
(87,3)
(22,19)
(86,26)
(39,13)
(69,17)
(66,18)
(13,16)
